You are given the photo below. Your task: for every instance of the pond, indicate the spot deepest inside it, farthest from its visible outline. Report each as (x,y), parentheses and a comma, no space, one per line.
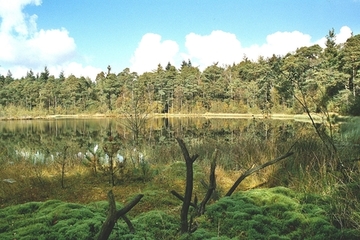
(41,140)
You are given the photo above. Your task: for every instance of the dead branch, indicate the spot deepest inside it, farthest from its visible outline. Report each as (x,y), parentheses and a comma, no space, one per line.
(114,215)
(128,223)
(186,152)
(255,169)
(211,187)
(176,194)
(189,185)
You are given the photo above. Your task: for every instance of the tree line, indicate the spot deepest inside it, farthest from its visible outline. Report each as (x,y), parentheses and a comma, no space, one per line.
(328,78)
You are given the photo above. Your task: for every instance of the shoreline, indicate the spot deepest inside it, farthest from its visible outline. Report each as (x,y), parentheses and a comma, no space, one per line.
(276,116)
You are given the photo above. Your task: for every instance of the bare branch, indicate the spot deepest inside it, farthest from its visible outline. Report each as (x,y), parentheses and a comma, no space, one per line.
(129,206)
(212,184)
(189,185)
(173,192)
(114,215)
(185,151)
(255,169)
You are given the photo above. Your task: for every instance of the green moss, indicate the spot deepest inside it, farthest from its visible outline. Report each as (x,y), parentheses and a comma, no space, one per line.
(276,213)
(177,170)
(149,225)
(277,237)
(101,206)
(50,220)
(152,197)
(312,210)
(33,231)
(201,234)
(28,208)
(161,224)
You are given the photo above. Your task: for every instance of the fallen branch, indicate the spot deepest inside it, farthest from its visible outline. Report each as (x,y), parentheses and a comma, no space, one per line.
(255,169)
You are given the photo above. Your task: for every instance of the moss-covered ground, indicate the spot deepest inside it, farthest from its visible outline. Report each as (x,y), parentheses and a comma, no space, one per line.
(272,213)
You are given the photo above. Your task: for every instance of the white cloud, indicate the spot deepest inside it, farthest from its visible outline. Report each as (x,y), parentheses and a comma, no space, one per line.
(16,71)
(226,48)
(279,43)
(24,47)
(43,48)
(14,18)
(345,33)
(52,46)
(151,51)
(341,37)
(68,68)
(219,46)
(78,69)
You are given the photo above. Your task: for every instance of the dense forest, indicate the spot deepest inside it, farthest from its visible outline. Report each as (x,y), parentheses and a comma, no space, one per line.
(327,78)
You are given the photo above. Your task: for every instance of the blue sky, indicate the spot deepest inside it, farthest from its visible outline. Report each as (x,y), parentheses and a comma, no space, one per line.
(82,37)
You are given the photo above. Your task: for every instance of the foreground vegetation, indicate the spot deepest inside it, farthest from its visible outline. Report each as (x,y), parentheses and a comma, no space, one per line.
(319,198)
(275,213)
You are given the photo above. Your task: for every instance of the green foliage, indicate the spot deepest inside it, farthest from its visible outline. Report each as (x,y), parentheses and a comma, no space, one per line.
(58,220)
(155,225)
(176,172)
(327,76)
(274,213)
(354,108)
(50,220)
(350,131)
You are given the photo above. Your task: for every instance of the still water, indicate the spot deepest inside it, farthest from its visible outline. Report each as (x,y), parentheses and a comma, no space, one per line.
(44,139)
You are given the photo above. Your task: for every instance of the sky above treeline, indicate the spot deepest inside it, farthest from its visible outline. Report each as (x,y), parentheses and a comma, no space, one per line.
(84,37)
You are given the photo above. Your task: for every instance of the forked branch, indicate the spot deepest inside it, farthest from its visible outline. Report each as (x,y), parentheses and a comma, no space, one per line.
(114,215)
(189,185)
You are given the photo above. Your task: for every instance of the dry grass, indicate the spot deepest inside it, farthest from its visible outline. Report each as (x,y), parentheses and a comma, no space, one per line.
(40,183)
(43,182)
